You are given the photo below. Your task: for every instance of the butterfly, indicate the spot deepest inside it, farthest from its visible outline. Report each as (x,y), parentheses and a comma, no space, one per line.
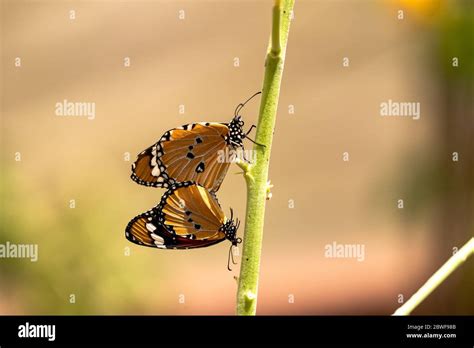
(188,216)
(192,152)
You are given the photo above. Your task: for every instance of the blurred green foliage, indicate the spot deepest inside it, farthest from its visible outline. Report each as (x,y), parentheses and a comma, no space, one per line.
(456,39)
(81,252)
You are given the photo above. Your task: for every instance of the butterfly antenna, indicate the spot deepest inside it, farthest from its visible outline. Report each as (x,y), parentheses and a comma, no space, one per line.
(241,105)
(231,214)
(238,108)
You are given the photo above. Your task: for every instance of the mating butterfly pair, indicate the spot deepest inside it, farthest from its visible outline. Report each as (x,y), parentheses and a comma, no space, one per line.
(185,161)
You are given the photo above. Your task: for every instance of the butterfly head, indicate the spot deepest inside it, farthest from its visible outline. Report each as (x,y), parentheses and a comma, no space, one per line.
(236,132)
(230,228)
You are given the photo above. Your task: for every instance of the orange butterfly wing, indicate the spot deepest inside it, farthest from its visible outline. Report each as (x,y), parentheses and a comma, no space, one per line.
(193,152)
(188,216)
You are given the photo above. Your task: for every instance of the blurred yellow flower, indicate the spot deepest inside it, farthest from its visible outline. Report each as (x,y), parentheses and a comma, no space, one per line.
(422,10)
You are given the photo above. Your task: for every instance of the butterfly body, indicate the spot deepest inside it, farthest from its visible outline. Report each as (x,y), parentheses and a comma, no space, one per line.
(188,216)
(189,153)
(236,133)
(188,162)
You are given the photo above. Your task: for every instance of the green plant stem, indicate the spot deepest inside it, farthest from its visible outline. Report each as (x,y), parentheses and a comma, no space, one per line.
(436,279)
(256,174)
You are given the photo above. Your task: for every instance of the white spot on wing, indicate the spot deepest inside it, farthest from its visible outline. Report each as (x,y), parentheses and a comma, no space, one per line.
(156,171)
(158,239)
(150,227)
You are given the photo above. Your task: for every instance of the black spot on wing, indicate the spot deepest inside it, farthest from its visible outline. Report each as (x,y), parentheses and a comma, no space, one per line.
(200,167)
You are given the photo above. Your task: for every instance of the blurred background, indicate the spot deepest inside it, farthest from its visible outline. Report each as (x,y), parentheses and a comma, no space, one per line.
(193,62)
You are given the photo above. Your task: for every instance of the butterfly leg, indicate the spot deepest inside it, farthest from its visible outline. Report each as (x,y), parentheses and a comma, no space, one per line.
(248,132)
(253,141)
(230,257)
(245,158)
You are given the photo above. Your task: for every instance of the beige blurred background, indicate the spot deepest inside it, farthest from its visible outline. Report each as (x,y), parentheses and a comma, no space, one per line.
(190,62)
